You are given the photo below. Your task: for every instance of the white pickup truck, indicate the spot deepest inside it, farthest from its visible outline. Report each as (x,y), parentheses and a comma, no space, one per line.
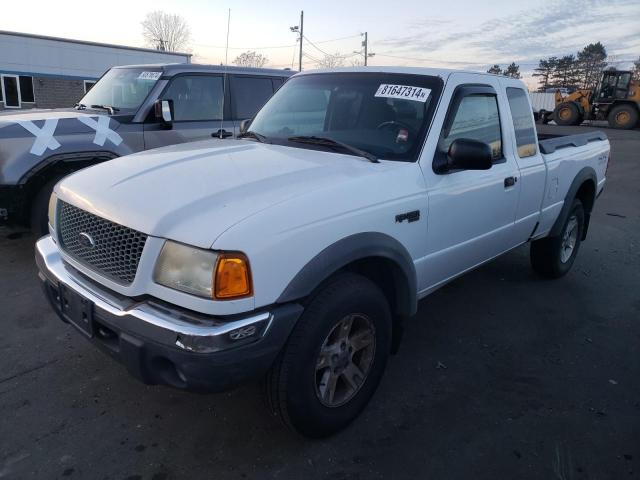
(293,254)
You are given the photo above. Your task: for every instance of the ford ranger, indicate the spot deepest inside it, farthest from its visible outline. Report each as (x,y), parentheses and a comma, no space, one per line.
(294,253)
(129,109)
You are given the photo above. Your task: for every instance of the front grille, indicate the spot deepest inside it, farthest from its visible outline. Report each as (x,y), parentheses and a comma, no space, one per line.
(108,248)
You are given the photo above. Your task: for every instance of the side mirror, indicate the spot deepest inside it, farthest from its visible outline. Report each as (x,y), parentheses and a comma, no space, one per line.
(467,154)
(244,125)
(164,112)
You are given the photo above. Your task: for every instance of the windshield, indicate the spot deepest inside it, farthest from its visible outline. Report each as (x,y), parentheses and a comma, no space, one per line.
(124,89)
(386,115)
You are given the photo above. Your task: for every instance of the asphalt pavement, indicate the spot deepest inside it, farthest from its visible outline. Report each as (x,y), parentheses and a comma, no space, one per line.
(501,375)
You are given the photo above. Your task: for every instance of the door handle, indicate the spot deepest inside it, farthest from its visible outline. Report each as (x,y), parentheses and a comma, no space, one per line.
(222,133)
(510,181)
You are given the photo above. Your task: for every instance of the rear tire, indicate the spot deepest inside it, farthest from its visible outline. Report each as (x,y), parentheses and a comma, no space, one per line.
(553,257)
(39,219)
(567,113)
(623,116)
(313,386)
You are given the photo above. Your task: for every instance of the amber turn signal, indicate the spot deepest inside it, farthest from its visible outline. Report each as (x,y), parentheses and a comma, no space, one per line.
(232,277)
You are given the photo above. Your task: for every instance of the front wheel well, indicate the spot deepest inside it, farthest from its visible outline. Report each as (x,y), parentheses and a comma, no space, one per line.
(390,279)
(57,166)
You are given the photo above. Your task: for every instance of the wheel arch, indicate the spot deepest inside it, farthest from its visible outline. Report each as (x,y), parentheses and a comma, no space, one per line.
(583,187)
(54,166)
(377,256)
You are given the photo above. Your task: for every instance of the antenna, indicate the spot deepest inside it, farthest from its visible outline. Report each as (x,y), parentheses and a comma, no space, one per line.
(224,77)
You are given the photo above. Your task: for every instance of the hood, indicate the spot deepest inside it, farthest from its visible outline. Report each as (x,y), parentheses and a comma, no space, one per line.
(31,123)
(193,192)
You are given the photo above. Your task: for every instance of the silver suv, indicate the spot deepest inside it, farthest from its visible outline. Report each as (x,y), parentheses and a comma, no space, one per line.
(131,108)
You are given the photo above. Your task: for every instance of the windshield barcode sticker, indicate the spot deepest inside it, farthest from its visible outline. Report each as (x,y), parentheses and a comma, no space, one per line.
(405,92)
(149,75)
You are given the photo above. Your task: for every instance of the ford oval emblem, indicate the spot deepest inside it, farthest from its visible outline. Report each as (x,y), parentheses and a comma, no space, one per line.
(86,240)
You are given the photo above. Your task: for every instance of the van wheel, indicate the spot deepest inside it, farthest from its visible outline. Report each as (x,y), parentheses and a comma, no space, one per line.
(567,113)
(39,219)
(553,257)
(334,358)
(623,116)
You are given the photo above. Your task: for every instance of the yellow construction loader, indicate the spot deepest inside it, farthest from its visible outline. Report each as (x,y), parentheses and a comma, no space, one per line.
(615,99)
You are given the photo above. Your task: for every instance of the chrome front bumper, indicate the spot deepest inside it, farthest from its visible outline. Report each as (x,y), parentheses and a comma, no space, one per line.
(183,329)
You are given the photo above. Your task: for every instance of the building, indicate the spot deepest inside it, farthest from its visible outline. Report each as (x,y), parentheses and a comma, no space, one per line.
(50,72)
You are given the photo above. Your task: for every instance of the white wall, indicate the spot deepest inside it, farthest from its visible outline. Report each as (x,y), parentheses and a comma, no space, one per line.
(56,57)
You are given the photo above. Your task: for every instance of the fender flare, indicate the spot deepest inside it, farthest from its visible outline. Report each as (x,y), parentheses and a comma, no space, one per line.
(97,156)
(586,174)
(350,249)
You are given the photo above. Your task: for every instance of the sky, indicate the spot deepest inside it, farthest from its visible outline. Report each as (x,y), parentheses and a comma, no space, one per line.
(454,34)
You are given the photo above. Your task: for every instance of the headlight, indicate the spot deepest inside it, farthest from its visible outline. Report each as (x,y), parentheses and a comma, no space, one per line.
(220,276)
(185,268)
(53,201)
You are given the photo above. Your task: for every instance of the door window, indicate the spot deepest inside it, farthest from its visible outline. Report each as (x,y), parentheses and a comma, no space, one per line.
(277,83)
(196,97)
(522,122)
(11,91)
(476,118)
(249,95)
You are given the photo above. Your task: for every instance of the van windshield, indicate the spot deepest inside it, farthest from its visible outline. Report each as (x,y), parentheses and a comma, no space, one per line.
(384,114)
(123,89)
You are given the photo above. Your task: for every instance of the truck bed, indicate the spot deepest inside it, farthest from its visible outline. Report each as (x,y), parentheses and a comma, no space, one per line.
(549,143)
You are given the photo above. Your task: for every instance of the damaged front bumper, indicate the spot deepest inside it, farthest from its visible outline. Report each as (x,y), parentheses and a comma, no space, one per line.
(160,343)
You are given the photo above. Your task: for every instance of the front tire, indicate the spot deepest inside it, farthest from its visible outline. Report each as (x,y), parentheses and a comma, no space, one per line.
(553,257)
(39,218)
(334,358)
(567,113)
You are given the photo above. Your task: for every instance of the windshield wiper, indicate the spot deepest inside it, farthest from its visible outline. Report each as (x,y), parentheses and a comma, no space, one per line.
(251,134)
(330,142)
(108,108)
(80,106)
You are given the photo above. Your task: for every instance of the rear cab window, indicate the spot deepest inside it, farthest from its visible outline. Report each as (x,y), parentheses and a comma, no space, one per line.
(524,128)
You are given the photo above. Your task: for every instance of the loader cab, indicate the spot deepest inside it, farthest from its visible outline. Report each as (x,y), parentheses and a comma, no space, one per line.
(613,86)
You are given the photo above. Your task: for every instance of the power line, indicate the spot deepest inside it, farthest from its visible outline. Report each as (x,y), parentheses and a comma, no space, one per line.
(274,46)
(315,46)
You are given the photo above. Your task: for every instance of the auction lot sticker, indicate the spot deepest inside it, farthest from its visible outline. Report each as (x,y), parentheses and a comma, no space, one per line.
(150,75)
(406,92)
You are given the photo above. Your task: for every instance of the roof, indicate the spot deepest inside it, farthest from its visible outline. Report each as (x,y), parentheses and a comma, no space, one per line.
(434,72)
(95,44)
(443,73)
(175,68)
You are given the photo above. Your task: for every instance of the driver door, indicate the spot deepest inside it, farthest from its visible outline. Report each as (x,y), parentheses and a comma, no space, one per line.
(198,104)
(471,213)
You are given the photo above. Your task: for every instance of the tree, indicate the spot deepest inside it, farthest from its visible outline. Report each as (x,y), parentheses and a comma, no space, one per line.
(566,73)
(591,61)
(251,59)
(545,69)
(331,61)
(166,31)
(636,70)
(496,70)
(512,71)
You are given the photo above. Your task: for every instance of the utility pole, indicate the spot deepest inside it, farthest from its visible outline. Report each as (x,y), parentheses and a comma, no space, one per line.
(299,29)
(301,37)
(365,45)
